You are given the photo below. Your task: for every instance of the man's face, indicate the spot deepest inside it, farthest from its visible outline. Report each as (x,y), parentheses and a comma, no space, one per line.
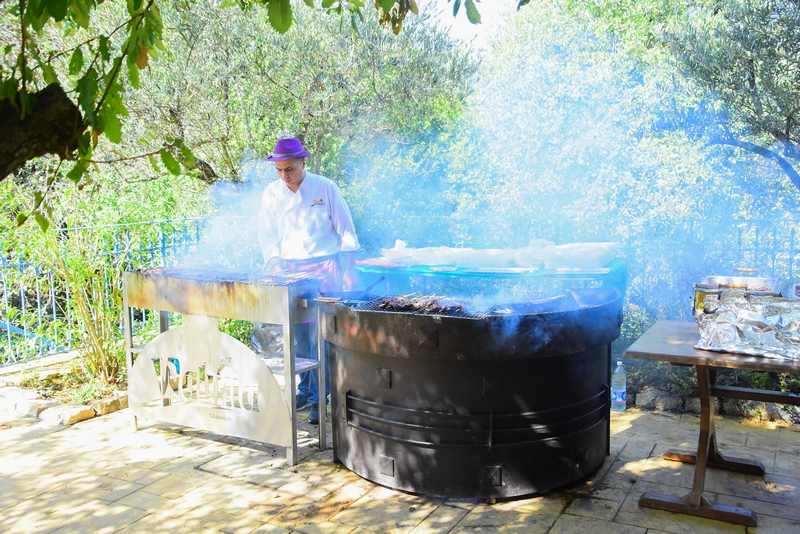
(292,172)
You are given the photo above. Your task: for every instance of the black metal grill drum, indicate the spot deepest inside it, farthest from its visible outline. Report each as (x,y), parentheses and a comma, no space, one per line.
(490,405)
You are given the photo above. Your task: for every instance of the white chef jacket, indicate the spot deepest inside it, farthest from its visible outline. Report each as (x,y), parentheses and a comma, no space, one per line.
(313,222)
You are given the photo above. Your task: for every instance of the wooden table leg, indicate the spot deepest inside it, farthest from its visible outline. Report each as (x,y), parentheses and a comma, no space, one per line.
(707,454)
(714,457)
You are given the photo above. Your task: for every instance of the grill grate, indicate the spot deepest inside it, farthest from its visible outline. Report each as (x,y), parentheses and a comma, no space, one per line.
(375,305)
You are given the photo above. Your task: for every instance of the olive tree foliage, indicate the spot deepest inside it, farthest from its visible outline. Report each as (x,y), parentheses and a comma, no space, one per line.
(743,56)
(568,139)
(564,127)
(747,55)
(229,87)
(569,134)
(68,68)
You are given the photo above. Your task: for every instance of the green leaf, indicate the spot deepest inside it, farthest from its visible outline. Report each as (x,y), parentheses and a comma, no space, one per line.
(357,3)
(36,8)
(102,47)
(21,218)
(189,159)
(57,8)
(133,73)
(170,162)
(456,7)
(133,48)
(113,128)
(85,145)
(154,163)
(8,90)
(310,3)
(38,22)
(49,73)
(114,102)
(386,5)
(77,171)
(38,196)
(472,12)
(153,19)
(80,13)
(24,103)
(44,224)
(522,3)
(134,6)
(76,61)
(280,15)
(328,3)
(87,87)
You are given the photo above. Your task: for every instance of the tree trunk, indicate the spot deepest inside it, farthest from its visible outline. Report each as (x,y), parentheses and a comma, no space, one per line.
(52,127)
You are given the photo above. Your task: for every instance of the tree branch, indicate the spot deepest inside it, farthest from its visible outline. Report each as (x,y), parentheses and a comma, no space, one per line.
(785,166)
(23,34)
(131,158)
(57,55)
(50,183)
(51,127)
(115,71)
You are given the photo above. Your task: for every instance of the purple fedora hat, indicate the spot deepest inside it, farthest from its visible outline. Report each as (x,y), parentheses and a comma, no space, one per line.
(288,149)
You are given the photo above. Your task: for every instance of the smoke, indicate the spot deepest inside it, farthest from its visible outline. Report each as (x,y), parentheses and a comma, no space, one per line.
(229,238)
(566,139)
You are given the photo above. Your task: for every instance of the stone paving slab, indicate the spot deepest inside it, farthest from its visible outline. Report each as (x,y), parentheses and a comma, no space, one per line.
(102,476)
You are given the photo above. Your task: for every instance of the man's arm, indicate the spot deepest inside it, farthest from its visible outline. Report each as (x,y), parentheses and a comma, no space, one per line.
(342,220)
(343,224)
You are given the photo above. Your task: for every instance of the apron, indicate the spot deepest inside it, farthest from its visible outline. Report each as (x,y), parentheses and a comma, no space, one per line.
(327,267)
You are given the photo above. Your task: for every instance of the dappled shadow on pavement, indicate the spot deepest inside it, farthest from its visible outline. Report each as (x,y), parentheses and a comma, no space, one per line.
(102,476)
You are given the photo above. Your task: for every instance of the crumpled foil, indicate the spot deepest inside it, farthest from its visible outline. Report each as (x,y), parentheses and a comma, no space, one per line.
(754,325)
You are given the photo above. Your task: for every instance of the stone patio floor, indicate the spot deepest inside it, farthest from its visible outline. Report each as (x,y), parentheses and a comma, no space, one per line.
(100,476)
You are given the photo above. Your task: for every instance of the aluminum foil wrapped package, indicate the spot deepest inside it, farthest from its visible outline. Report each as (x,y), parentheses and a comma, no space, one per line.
(756,325)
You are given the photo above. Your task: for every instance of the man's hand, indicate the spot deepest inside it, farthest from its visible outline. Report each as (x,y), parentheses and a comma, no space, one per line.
(350,280)
(274,266)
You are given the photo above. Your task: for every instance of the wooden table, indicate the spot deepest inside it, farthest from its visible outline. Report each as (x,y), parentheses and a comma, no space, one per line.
(673,341)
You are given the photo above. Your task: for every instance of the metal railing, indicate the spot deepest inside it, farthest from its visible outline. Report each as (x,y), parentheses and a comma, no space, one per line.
(664,260)
(36,306)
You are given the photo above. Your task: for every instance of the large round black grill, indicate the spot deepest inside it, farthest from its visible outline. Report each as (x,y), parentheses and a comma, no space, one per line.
(493,403)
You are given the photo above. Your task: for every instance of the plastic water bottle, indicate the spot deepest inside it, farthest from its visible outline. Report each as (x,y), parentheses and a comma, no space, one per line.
(618,388)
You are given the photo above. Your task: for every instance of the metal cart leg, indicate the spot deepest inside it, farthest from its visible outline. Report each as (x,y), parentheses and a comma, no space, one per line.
(321,393)
(290,386)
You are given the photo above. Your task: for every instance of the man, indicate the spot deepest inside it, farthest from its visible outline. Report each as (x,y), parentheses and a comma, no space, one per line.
(303,226)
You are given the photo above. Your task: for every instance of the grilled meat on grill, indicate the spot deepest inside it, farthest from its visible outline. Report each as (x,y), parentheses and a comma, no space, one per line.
(398,304)
(430,304)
